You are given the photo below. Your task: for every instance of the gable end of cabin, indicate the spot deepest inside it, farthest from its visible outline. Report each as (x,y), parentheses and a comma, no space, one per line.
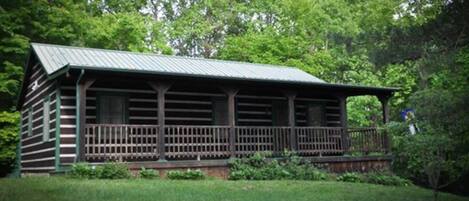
(39,107)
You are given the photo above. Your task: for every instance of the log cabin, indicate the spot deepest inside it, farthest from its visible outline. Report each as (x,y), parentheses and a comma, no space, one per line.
(94,105)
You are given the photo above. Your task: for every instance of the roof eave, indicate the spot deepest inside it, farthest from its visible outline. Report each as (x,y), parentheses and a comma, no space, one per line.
(372,90)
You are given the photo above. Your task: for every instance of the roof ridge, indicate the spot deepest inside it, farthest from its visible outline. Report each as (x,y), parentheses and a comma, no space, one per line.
(170,56)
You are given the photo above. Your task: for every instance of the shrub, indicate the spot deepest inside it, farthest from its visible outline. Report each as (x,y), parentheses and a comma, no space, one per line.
(82,170)
(386,179)
(258,167)
(187,175)
(114,171)
(107,171)
(350,177)
(148,173)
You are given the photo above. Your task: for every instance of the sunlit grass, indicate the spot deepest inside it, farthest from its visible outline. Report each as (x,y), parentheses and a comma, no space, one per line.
(59,188)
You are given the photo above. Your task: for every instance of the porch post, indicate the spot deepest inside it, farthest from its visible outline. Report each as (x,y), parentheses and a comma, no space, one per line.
(385,107)
(231,94)
(83,85)
(161,89)
(291,119)
(343,122)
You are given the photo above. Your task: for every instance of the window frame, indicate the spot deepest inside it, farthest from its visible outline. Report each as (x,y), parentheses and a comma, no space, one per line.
(30,120)
(46,124)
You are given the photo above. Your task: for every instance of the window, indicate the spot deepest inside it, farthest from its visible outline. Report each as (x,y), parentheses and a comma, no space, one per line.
(30,121)
(279,113)
(46,119)
(220,111)
(112,109)
(315,115)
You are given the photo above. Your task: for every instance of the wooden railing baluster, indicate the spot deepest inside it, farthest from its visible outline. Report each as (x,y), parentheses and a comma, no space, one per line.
(140,142)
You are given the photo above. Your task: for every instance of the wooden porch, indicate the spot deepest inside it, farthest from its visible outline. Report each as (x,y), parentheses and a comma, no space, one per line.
(111,142)
(195,121)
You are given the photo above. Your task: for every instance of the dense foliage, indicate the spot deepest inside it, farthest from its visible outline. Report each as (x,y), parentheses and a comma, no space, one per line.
(291,167)
(259,167)
(437,155)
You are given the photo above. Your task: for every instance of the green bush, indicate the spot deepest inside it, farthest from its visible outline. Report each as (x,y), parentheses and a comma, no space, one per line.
(382,178)
(387,179)
(82,170)
(106,171)
(114,171)
(258,167)
(148,173)
(350,177)
(186,175)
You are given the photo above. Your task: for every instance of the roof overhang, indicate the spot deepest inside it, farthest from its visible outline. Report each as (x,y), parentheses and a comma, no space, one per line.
(344,89)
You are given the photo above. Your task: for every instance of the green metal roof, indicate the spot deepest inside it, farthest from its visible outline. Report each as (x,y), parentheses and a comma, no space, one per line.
(56,57)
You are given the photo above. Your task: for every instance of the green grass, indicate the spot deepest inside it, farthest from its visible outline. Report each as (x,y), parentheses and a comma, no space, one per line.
(60,188)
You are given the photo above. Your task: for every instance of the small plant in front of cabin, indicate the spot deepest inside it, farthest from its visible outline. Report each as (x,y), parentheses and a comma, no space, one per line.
(148,173)
(106,171)
(186,175)
(82,171)
(386,178)
(114,171)
(350,177)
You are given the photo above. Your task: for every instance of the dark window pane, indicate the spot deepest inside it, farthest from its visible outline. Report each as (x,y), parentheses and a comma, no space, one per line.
(112,109)
(315,115)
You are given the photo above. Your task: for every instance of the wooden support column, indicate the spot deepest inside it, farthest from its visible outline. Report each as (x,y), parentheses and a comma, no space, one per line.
(83,85)
(291,119)
(343,122)
(161,89)
(231,94)
(385,108)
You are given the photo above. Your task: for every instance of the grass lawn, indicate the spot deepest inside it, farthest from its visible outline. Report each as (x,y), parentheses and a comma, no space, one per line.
(59,188)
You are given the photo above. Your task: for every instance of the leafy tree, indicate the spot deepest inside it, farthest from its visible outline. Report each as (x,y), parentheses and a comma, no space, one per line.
(8,140)
(428,158)
(436,156)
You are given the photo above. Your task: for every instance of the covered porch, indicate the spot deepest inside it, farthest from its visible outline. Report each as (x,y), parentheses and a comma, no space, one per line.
(195,120)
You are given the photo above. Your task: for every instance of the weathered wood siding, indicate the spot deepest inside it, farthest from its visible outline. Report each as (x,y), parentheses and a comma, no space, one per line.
(37,154)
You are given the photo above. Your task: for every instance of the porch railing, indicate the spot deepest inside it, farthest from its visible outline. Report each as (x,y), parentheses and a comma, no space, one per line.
(197,141)
(319,140)
(140,142)
(366,140)
(121,142)
(250,140)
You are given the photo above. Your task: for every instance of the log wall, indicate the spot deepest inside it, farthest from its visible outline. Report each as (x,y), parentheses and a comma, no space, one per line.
(37,154)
